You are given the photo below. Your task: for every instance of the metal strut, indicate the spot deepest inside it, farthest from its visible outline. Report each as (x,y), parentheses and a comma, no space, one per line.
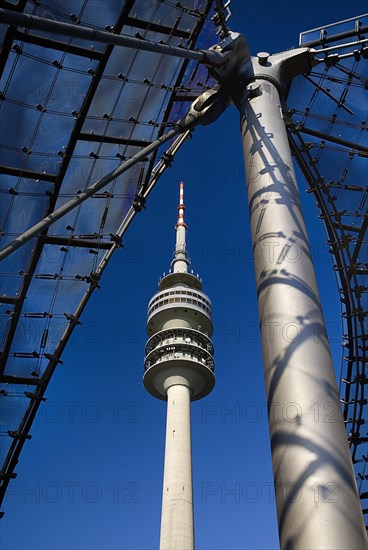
(204,110)
(209,57)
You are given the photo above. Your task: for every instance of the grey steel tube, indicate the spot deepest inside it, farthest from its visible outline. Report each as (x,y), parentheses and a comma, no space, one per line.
(316,495)
(84,195)
(79,31)
(205,109)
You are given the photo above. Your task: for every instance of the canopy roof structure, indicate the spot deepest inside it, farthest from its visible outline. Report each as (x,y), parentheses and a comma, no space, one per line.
(76,108)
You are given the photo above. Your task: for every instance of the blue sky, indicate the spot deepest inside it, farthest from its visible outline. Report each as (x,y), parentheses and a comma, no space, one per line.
(91,477)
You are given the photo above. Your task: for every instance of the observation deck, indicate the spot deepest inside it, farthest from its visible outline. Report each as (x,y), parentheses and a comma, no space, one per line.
(179,326)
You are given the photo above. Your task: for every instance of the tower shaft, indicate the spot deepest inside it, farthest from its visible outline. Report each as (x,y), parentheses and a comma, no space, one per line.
(177,524)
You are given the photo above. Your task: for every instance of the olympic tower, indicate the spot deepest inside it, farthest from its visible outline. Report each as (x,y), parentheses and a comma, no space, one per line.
(179,369)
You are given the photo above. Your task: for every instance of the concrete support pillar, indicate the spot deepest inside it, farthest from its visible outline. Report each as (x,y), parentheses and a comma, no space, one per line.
(177,524)
(317,501)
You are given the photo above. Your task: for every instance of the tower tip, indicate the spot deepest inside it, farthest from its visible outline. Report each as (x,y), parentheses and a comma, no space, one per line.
(181,262)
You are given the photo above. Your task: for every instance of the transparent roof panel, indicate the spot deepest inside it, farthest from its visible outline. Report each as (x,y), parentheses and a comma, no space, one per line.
(81,109)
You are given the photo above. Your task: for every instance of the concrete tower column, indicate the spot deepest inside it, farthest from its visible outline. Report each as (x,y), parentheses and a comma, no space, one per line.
(177,525)
(316,495)
(179,368)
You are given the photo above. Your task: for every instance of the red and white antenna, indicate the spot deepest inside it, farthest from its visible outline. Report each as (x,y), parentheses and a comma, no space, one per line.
(181,207)
(181,262)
